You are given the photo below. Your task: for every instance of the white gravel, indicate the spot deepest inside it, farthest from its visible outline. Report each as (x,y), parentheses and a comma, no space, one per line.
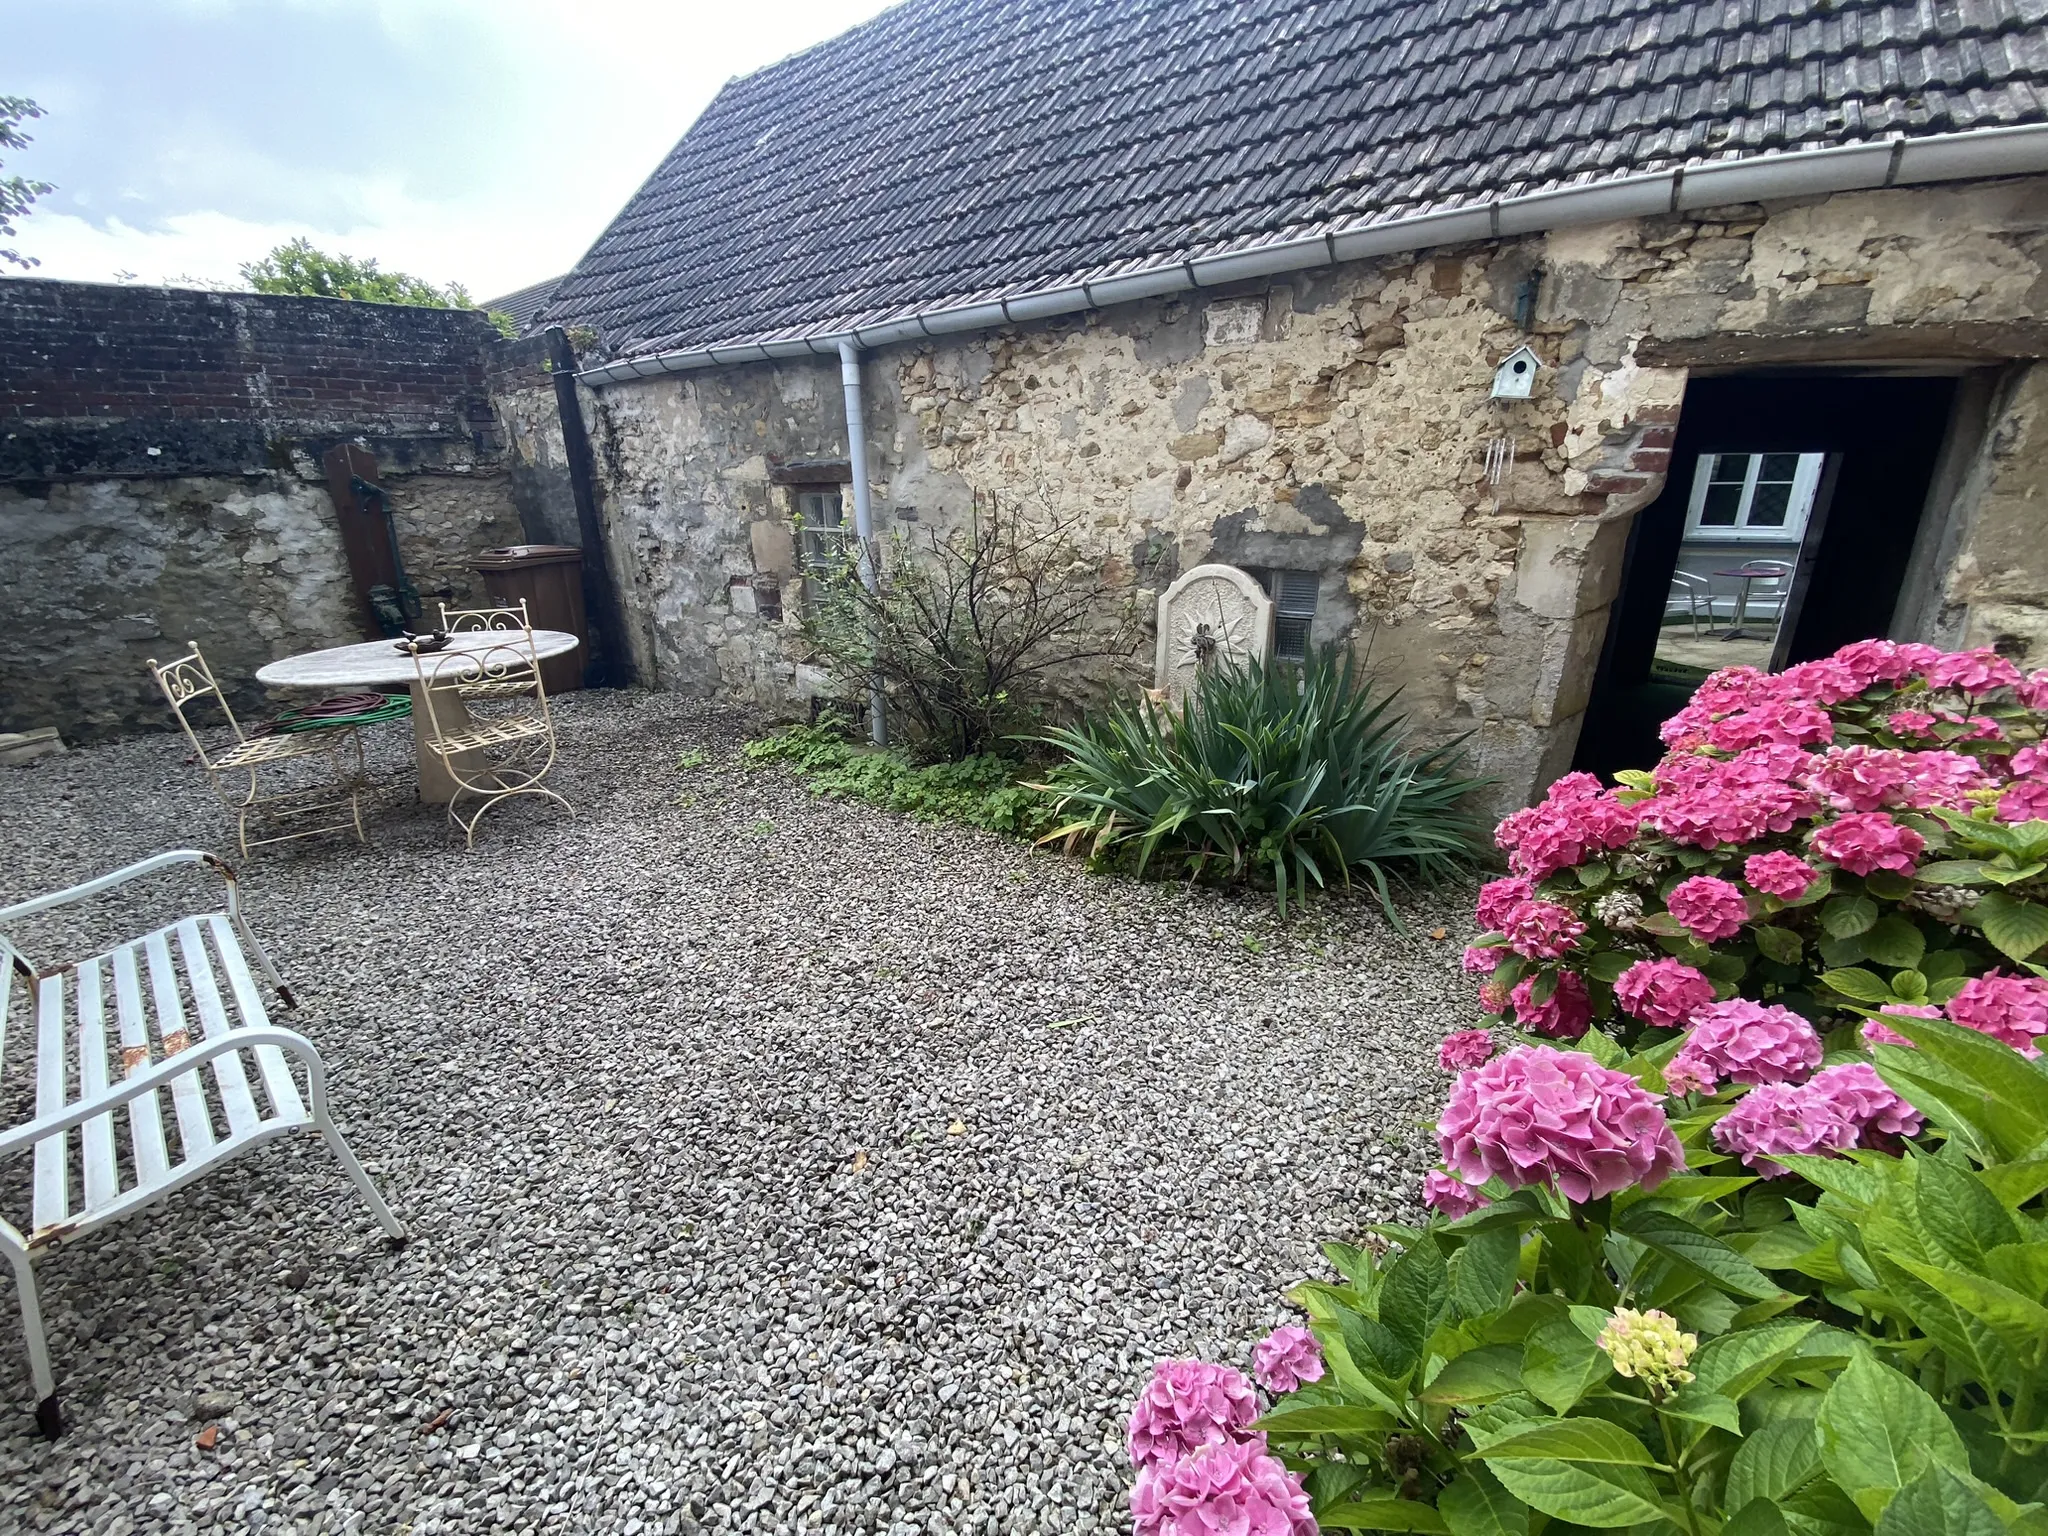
(772,1164)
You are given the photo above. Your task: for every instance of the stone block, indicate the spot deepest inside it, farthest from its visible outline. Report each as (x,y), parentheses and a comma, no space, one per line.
(773,542)
(19,747)
(1570,565)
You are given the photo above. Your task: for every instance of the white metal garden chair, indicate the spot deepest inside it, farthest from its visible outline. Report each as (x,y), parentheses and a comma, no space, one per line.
(330,803)
(154,1062)
(1691,597)
(510,748)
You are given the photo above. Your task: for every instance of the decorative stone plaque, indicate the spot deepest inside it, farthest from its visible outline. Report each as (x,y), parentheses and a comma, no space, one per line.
(1215,615)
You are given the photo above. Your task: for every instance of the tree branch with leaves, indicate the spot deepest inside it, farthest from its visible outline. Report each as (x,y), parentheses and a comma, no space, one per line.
(17,193)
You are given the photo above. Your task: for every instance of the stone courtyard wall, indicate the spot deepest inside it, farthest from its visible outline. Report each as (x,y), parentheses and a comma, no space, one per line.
(160,481)
(1338,421)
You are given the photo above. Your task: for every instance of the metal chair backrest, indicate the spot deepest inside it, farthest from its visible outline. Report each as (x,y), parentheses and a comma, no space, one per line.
(506,667)
(184,683)
(455,621)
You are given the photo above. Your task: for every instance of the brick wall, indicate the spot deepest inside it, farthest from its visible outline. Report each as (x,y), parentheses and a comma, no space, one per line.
(160,480)
(100,374)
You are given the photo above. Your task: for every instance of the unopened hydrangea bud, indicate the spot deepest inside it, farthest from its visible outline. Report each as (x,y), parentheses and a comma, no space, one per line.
(1648,1347)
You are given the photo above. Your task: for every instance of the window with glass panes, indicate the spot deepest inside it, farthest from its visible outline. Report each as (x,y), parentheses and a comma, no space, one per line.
(1753,495)
(1294,609)
(821,521)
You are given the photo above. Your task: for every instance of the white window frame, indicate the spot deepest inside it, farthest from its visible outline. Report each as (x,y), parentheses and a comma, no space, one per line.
(1805,482)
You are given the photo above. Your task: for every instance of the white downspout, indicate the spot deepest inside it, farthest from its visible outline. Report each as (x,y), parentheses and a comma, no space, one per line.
(863,513)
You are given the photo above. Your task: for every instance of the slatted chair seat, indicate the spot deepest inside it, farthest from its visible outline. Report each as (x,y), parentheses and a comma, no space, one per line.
(153,1062)
(271,749)
(493,733)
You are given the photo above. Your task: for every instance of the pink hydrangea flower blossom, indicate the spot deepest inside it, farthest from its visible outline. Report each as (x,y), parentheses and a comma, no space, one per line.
(1708,801)
(1222,1490)
(1482,959)
(1711,908)
(1449,1196)
(1493,997)
(1744,1042)
(1497,898)
(1663,992)
(1189,1404)
(1781,1117)
(1467,1048)
(1863,1099)
(1565,830)
(1972,672)
(1285,1358)
(1543,930)
(2033,689)
(2010,1009)
(1536,1114)
(1910,722)
(1885,661)
(1874,1033)
(2024,800)
(1563,1015)
(1826,681)
(1867,842)
(1783,875)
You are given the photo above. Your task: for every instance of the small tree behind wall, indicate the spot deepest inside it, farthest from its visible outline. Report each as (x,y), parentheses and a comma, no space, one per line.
(970,630)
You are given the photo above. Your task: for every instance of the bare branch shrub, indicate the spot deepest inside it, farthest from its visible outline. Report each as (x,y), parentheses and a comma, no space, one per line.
(977,633)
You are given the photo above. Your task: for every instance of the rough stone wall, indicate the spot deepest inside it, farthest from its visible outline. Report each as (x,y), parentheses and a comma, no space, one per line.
(160,481)
(1338,421)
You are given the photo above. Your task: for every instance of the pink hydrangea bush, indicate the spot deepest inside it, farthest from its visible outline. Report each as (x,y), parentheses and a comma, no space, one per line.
(1466,1048)
(1230,1489)
(1287,1358)
(1743,1042)
(1186,1405)
(1538,1115)
(1827,839)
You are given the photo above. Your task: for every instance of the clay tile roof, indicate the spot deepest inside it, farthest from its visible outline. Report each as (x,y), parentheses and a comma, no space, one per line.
(950,151)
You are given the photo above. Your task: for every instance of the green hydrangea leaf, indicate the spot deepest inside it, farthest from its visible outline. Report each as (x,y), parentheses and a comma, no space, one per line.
(1878,1431)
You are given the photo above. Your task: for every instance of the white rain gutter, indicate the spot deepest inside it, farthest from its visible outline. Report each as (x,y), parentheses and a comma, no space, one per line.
(1980,154)
(863,514)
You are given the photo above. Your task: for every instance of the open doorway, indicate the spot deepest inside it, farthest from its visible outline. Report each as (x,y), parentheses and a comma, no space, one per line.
(1784,531)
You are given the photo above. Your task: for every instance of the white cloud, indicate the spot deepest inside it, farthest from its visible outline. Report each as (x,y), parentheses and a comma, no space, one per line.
(485,142)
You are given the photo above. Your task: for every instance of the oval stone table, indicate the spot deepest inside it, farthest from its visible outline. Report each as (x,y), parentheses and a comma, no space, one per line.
(380,664)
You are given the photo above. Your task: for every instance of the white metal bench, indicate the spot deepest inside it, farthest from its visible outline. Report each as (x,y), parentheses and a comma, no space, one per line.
(154,1062)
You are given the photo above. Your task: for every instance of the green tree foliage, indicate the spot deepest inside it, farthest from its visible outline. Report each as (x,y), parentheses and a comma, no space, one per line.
(299,267)
(17,193)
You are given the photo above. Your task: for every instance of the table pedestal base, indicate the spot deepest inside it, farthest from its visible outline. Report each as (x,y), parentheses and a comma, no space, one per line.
(437,784)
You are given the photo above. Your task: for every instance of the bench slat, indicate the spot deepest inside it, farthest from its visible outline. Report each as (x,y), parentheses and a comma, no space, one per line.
(195,1126)
(145,1119)
(270,1062)
(228,1075)
(51,1203)
(102,1178)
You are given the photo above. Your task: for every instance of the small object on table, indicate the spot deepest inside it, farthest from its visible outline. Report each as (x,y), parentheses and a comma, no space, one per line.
(378,664)
(423,645)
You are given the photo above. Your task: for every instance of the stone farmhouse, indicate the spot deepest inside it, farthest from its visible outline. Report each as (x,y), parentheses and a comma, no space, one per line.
(1232,279)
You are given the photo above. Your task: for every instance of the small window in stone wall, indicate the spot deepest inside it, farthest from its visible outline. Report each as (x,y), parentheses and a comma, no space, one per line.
(821,525)
(1294,609)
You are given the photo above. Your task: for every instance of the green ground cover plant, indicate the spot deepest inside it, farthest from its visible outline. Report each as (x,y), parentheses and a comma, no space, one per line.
(981,791)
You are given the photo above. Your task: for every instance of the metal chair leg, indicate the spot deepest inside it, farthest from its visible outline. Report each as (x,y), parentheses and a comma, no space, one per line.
(48,1419)
(393,1229)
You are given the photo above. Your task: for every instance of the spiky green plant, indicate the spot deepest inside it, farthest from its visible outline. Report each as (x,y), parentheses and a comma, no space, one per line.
(1280,772)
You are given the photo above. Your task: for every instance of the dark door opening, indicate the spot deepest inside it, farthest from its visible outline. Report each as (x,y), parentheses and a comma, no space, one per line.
(1783,533)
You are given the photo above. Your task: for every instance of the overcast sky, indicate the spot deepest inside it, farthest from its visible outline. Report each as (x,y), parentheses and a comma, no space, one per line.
(485,142)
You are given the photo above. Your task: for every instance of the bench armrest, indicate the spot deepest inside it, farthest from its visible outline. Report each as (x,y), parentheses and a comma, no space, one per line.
(19,1138)
(120,877)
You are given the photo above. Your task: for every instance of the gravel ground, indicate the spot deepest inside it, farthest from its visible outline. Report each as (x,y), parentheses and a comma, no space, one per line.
(771,1164)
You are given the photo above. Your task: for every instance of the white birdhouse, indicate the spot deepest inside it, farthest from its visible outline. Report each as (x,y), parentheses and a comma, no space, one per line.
(1516,373)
